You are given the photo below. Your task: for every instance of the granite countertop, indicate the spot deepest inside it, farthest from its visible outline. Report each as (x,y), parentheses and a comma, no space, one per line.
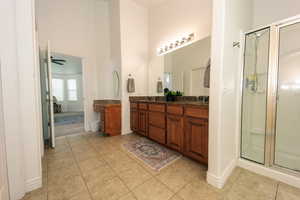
(107,102)
(195,103)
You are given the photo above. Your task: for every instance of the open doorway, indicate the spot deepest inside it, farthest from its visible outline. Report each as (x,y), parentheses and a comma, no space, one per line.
(62,95)
(67,87)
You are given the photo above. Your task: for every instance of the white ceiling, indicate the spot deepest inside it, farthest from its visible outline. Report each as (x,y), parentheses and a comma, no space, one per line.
(150,3)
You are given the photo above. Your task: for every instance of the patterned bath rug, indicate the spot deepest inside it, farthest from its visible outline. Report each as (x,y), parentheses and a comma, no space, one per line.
(153,154)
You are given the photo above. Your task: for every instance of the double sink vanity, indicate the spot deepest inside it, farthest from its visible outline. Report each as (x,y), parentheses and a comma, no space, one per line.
(181,125)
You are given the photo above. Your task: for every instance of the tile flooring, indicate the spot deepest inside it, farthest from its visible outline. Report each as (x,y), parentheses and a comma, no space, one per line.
(92,167)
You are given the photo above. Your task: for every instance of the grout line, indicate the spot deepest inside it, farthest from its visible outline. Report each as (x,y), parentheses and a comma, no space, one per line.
(77,164)
(277,190)
(117,175)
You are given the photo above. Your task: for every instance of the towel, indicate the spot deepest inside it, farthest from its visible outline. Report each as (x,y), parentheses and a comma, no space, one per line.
(159,86)
(207,75)
(130,85)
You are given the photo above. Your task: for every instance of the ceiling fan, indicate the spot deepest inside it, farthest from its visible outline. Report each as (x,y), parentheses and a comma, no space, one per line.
(58,61)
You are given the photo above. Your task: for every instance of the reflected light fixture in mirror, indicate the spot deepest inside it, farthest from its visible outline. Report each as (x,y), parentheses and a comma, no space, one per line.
(176,44)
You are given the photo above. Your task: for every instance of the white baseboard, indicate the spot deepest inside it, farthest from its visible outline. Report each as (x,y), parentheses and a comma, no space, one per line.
(219,181)
(33,184)
(268,172)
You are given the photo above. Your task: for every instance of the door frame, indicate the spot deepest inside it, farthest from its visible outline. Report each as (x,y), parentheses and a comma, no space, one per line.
(270,133)
(273,93)
(84,88)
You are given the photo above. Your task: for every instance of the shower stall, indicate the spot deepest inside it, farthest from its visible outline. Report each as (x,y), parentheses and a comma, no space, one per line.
(270,118)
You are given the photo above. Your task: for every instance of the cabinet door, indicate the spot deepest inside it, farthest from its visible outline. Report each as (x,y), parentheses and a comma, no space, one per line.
(175,132)
(143,122)
(196,139)
(134,120)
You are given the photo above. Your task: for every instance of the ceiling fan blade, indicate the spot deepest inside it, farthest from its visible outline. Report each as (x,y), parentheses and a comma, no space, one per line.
(59,60)
(58,63)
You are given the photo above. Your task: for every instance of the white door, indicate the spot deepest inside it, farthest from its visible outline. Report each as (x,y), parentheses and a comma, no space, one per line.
(4,194)
(50,97)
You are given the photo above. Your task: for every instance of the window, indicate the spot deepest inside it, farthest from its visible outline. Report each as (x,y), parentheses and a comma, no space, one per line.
(72,90)
(58,89)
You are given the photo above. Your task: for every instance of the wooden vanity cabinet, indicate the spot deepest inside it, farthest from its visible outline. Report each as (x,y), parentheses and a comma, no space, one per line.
(183,128)
(196,134)
(157,123)
(143,122)
(134,117)
(110,117)
(175,127)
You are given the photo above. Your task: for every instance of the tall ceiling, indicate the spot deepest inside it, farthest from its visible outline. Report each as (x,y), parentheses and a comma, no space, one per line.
(150,3)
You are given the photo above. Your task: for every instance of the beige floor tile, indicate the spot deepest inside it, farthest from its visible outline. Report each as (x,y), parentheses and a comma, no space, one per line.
(134,177)
(119,161)
(91,164)
(61,163)
(82,196)
(105,147)
(59,155)
(82,147)
(250,186)
(129,196)
(175,178)
(110,172)
(67,189)
(286,192)
(81,156)
(98,176)
(176,197)
(35,197)
(57,175)
(199,190)
(110,190)
(152,190)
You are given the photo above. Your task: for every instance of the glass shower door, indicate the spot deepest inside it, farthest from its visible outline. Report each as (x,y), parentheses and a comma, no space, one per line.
(254,99)
(287,132)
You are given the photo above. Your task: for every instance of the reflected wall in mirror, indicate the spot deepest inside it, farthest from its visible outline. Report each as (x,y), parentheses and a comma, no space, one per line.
(184,69)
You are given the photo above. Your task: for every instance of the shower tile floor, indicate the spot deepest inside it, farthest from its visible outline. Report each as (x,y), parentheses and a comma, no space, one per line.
(94,167)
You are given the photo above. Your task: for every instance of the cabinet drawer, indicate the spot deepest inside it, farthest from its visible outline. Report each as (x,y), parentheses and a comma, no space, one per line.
(198,112)
(133,105)
(175,110)
(157,134)
(143,106)
(157,107)
(157,119)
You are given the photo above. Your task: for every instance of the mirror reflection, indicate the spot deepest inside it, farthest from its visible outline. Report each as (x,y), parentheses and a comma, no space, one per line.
(187,69)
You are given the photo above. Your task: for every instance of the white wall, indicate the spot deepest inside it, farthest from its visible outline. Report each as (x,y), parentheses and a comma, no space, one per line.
(20,97)
(11,104)
(231,17)
(168,22)
(269,11)
(80,28)
(4,193)
(134,52)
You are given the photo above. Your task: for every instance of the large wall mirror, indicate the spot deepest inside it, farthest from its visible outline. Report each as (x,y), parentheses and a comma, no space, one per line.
(185,69)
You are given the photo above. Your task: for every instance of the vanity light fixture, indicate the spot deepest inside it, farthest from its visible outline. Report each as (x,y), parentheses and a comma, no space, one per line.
(176,44)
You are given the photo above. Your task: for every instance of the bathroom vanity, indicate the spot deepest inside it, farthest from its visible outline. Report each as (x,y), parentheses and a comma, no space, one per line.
(110,116)
(181,125)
